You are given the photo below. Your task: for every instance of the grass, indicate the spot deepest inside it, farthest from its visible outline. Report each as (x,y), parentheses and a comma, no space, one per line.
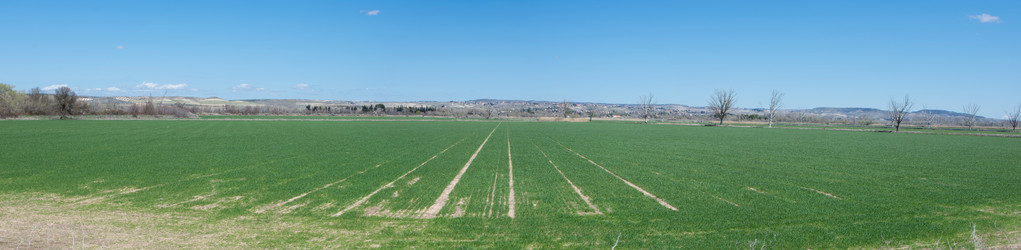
(320,117)
(215,182)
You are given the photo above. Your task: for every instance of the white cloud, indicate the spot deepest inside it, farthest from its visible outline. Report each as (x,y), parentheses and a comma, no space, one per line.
(113,89)
(301,86)
(53,87)
(372,13)
(245,87)
(242,87)
(986,18)
(156,86)
(120,46)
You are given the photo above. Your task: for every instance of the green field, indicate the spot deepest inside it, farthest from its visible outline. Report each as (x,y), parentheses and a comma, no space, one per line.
(319,117)
(177,183)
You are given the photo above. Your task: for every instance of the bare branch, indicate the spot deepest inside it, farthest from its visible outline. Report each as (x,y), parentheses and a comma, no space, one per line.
(647,104)
(929,116)
(972,111)
(1012,118)
(899,111)
(775,103)
(721,103)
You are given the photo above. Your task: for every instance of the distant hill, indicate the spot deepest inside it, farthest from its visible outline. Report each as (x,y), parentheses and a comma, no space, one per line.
(939,112)
(510,105)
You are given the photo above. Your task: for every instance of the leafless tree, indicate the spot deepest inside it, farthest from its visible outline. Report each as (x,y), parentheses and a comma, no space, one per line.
(899,111)
(66,98)
(38,103)
(929,116)
(149,108)
(134,110)
(972,111)
(721,103)
(591,111)
(565,108)
(647,103)
(775,103)
(1012,118)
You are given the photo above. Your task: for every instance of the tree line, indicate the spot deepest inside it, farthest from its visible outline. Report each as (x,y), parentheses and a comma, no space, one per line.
(63,102)
(721,104)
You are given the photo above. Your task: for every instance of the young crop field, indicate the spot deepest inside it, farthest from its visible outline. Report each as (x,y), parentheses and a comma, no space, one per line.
(406,183)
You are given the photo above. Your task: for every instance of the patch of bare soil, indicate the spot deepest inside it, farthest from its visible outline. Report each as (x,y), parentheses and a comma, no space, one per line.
(37,220)
(459,209)
(51,221)
(413,181)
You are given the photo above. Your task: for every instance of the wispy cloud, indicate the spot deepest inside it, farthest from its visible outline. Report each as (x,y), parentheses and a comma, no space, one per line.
(245,87)
(120,46)
(301,86)
(157,86)
(53,87)
(372,13)
(102,90)
(986,18)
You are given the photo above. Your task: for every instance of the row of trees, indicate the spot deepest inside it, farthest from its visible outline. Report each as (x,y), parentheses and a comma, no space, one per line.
(900,110)
(721,103)
(377,109)
(63,102)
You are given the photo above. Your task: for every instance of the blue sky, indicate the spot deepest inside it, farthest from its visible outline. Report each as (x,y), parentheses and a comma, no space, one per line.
(944,54)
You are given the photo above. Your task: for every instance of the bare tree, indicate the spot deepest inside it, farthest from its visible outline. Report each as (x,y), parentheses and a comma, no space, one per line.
(1012,118)
(647,103)
(721,103)
(775,103)
(66,98)
(899,111)
(591,111)
(929,116)
(565,108)
(972,111)
(38,103)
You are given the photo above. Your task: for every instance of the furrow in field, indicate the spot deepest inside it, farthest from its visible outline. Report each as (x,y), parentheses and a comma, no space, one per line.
(823,193)
(367,197)
(510,166)
(576,189)
(292,199)
(212,184)
(693,186)
(128,191)
(646,193)
(445,196)
(492,196)
(773,195)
